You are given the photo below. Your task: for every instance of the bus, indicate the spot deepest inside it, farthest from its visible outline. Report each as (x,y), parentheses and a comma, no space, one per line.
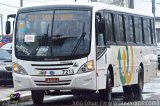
(157,26)
(82,48)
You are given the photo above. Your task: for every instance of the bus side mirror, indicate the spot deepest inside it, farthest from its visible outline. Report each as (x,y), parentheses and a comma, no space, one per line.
(8,27)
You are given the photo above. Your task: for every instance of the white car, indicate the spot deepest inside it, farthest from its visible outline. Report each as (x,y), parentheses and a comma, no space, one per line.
(7,47)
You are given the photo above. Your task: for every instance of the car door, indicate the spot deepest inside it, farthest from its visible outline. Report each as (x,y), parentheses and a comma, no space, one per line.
(3,77)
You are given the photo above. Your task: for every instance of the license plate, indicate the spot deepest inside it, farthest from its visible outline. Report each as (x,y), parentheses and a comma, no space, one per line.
(52,80)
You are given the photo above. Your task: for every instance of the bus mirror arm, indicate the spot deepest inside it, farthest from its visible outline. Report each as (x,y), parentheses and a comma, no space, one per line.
(11,16)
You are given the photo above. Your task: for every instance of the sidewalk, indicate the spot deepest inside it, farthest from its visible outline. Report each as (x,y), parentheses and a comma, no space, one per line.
(5,91)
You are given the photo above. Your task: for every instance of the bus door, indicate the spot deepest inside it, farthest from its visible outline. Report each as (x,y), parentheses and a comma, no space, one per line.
(100,52)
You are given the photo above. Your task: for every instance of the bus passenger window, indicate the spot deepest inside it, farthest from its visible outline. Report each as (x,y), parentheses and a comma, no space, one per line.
(140,30)
(136,27)
(149,30)
(146,31)
(109,27)
(121,28)
(153,32)
(127,29)
(131,32)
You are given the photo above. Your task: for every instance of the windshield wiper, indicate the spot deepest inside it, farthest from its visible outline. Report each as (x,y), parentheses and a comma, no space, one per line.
(57,36)
(46,37)
(43,39)
(79,40)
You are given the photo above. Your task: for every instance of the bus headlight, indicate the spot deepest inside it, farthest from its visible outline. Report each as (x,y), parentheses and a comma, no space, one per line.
(19,69)
(87,67)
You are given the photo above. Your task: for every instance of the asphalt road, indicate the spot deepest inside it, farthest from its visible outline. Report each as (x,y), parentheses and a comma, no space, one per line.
(150,97)
(151,94)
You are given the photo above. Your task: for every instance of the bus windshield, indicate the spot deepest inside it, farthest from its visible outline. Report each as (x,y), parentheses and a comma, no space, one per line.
(53,35)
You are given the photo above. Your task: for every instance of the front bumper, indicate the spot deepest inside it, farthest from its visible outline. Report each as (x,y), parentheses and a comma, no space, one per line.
(70,82)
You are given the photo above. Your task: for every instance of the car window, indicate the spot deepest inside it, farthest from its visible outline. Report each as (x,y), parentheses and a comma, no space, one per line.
(7,46)
(5,55)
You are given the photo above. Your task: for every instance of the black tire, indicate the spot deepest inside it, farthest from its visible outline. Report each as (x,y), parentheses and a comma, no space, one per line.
(37,96)
(76,92)
(127,90)
(106,93)
(138,88)
(109,87)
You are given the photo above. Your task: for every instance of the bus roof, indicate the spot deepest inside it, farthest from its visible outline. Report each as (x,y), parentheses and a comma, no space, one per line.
(96,5)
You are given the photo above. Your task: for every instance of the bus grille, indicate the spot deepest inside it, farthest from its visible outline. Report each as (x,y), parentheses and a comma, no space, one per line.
(67,64)
(44,83)
(52,66)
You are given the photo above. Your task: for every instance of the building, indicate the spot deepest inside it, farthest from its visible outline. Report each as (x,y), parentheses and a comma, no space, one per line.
(122,3)
(157,25)
(1,26)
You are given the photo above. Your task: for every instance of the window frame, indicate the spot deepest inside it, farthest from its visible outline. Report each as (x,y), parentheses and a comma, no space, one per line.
(116,29)
(110,15)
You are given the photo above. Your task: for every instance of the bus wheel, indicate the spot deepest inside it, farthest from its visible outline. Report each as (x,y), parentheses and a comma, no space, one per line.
(109,87)
(138,88)
(127,90)
(37,96)
(106,93)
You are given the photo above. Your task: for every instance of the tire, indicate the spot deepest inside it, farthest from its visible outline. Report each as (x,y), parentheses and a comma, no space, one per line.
(106,93)
(37,96)
(127,90)
(138,88)
(109,87)
(76,92)
(134,92)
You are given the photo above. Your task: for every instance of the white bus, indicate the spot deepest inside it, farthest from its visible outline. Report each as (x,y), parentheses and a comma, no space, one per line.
(83,48)
(157,26)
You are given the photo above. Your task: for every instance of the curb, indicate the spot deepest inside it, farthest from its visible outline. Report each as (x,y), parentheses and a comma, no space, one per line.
(24,97)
